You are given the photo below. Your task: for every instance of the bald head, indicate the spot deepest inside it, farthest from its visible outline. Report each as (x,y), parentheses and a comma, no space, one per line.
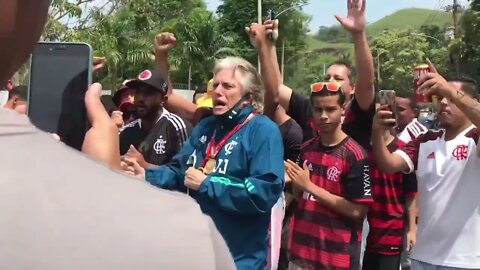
(21,24)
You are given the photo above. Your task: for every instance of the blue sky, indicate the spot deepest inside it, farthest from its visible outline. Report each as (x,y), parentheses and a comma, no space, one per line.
(322,11)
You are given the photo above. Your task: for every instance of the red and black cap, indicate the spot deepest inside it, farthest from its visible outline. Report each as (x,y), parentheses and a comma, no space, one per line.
(150,78)
(123,97)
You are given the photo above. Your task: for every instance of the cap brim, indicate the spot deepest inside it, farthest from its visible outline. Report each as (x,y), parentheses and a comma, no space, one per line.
(137,83)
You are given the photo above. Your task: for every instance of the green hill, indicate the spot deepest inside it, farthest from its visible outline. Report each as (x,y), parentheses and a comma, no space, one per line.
(411,17)
(315,44)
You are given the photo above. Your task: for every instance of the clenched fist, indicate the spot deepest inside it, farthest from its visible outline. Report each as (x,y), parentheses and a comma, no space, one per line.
(164,42)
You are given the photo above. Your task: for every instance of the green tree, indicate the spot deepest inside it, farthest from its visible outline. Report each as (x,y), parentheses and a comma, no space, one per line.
(125,36)
(398,52)
(199,44)
(235,15)
(468,46)
(435,35)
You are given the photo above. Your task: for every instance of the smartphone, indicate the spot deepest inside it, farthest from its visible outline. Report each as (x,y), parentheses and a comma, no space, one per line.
(271,16)
(60,74)
(387,97)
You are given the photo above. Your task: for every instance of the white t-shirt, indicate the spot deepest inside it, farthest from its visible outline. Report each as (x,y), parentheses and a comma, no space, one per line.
(412,131)
(448,174)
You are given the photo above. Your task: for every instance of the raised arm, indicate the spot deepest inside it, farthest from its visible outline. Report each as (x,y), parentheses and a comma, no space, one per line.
(435,84)
(268,64)
(387,162)
(355,24)
(164,42)
(270,71)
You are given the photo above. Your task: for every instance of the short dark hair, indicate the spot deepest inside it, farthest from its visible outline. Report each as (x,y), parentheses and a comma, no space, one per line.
(412,102)
(325,93)
(202,89)
(351,70)
(19,91)
(469,85)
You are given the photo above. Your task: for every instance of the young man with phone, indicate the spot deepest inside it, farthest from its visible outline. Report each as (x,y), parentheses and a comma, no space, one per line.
(386,216)
(335,188)
(60,207)
(446,162)
(157,135)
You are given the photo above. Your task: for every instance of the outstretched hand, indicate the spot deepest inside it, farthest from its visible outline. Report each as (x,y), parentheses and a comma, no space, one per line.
(355,21)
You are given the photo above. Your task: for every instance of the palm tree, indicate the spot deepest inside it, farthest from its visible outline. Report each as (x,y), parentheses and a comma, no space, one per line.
(202,44)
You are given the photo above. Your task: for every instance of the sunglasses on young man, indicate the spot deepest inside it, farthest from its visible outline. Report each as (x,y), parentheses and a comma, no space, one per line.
(332,86)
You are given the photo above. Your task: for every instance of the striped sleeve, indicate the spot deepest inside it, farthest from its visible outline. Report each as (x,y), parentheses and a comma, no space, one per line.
(183,128)
(412,131)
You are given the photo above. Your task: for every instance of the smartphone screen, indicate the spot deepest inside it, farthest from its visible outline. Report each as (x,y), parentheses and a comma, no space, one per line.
(387,97)
(59,77)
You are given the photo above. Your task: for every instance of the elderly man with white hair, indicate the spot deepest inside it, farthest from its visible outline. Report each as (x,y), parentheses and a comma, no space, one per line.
(232,164)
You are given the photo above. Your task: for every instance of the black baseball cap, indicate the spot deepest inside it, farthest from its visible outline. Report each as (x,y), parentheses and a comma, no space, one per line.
(150,78)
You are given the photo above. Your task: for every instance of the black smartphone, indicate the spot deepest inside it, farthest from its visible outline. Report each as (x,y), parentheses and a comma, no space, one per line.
(60,74)
(387,97)
(271,16)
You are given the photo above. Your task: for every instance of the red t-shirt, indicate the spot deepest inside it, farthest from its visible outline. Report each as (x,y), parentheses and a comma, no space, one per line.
(322,238)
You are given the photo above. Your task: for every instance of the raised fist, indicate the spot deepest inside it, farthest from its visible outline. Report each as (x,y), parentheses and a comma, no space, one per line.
(164,42)
(257,34)
(98,64)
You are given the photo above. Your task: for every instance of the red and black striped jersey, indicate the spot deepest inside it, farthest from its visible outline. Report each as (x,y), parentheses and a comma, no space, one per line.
(386,215)
(322,238)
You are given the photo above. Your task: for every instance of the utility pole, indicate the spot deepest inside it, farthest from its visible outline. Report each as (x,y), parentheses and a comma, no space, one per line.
(189,77)
(455,10)
(455,16)
(259,14)
(378,69)
(283,59)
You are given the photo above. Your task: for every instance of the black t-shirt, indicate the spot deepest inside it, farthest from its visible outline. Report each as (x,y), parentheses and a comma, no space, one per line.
(292,139)
(357,123)
(162,142)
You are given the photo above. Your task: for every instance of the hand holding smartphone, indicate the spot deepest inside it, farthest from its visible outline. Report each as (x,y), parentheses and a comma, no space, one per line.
(271,16)
(59,78)
(387,97)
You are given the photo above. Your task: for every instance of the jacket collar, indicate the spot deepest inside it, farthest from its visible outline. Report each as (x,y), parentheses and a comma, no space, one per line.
(230,120)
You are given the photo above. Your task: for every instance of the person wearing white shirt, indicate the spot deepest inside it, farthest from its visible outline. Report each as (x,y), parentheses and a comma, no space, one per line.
(447,163)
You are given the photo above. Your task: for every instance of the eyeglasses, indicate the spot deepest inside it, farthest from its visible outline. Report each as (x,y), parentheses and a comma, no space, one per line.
(332,86)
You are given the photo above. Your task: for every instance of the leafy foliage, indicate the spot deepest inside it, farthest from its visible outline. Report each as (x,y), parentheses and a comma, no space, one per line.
(235,15)
(467,47)
(398,52)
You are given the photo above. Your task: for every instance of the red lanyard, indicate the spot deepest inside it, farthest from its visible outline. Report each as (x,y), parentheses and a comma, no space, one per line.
(213,149)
